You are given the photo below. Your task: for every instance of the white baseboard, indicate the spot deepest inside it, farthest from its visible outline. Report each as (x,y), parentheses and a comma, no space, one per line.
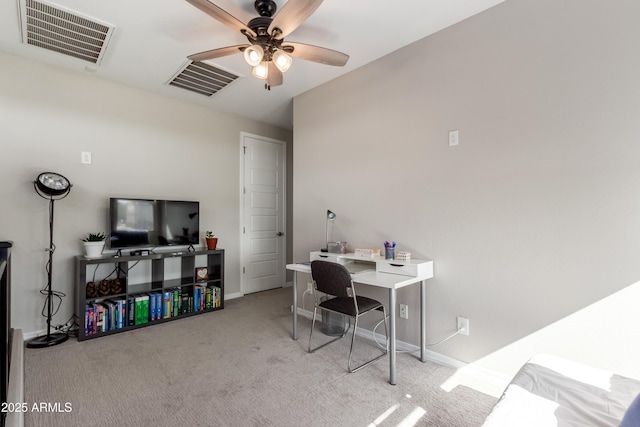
(400,345)
(15,392)
(233,295)
(30,335)
(495,379)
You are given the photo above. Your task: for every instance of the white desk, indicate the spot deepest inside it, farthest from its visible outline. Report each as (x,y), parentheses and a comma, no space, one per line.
(389,274)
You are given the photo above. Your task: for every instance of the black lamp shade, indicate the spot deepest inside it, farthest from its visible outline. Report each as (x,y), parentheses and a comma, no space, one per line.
(52,184)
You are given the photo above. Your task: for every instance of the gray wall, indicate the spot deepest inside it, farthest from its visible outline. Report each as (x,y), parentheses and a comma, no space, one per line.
(533,217)
(143,145)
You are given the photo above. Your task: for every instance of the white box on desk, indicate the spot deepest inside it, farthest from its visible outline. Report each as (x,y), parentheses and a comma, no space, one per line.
(367,253)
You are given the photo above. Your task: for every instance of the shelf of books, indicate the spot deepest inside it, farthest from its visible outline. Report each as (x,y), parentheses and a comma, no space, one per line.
(116,294)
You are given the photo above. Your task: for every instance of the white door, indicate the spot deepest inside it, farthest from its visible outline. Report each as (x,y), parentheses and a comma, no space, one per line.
(263,242)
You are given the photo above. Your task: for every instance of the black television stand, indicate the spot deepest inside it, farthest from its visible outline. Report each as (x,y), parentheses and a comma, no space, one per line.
(105,282)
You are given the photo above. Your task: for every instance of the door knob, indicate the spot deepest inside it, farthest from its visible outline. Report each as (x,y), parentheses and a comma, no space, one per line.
(279,233)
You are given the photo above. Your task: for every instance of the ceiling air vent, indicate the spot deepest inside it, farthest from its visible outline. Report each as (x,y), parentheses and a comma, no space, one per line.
(64,31)
(202,78)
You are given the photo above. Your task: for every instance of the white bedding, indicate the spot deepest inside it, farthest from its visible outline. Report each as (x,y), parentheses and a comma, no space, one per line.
(550,391)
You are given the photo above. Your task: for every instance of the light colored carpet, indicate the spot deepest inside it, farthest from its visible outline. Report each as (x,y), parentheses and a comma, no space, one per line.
(238,367)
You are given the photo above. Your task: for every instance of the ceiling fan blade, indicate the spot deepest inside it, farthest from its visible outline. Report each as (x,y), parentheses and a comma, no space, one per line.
(222,16)
(316,53)
(274,77)
(217,53)
(292,14)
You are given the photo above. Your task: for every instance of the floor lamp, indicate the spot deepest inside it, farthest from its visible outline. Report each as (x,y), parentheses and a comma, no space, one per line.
(52,186)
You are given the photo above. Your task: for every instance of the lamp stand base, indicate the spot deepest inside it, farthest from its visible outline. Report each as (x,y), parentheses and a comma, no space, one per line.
(47,340)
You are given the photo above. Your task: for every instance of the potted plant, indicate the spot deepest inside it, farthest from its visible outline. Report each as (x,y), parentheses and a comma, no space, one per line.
(93,245)
(212,240)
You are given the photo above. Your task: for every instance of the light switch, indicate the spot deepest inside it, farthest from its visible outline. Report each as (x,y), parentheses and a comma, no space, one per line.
(85,157)
(453,138)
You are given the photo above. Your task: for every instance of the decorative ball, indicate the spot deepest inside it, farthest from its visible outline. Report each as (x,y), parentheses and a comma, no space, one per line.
(92,290)
(104,288)
(116,286)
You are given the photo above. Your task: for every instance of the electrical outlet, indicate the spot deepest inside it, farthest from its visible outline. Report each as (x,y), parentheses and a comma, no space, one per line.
(404,311)
(310,287)
(463,323)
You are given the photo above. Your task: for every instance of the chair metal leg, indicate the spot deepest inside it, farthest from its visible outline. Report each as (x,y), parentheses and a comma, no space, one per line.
(353,338)
(313,322)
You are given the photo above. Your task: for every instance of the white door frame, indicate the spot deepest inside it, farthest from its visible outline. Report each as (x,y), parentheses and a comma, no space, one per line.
(284,204)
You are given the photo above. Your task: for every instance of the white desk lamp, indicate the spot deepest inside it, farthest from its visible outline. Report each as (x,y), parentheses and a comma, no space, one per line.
(330,217)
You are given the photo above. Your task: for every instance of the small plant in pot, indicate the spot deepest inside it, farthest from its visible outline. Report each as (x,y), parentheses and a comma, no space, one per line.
(93,245)
(212,240)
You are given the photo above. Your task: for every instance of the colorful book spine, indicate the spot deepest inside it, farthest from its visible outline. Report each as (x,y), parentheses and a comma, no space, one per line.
(92,318)
(184,308)
(99,318)
(122,312)
(176,303)
(145,309)
(108,316)
(131,311)
(208,298)
(86,320)
(116,319)
(138,308)
(217,295)
(166,310)
(113,316)
(159,300)
(140,313)
(196,298)
(152,308)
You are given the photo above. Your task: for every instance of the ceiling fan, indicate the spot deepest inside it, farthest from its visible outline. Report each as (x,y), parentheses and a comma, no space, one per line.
(267,51)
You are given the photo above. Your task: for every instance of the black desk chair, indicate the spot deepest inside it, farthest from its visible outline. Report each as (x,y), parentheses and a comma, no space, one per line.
(334,280)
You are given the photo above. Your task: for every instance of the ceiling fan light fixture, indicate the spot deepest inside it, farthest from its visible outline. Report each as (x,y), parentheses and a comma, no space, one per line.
(253,55)
(266,36)
(261,70)
(282,60)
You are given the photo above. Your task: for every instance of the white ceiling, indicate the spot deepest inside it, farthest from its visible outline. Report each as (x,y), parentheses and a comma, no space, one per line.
(153,38)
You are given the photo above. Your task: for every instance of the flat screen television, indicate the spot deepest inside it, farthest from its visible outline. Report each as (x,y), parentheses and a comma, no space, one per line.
(150,223)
